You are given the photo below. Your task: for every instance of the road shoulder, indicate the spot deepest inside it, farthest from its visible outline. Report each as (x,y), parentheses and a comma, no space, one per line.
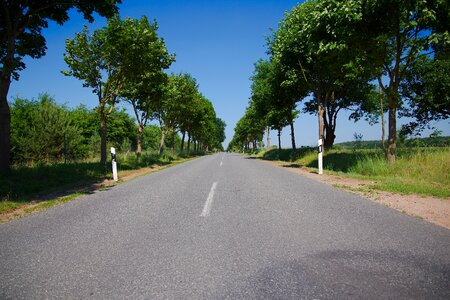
(56,198)
(431,209)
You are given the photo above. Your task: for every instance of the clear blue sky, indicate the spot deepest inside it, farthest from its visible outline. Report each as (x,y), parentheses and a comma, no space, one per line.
(218,42)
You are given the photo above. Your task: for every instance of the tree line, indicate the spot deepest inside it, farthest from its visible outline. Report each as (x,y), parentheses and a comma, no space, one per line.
(367,56)
(44,131)
(123,61)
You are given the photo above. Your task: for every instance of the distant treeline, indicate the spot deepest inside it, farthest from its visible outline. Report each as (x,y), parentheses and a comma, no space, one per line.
(438,141)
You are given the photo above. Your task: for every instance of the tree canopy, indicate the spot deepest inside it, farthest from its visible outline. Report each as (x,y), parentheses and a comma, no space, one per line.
(21,24)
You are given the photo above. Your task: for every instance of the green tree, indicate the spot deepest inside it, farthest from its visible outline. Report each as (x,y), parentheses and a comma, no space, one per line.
(219,137)
(249,130)
(392,36)
(203,128)
(275,99)
(179,104)
(21,24)
(425,89)
(146,60)
(107,61)
(313,47)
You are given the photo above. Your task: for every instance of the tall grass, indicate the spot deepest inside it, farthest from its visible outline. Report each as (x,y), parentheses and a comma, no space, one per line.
(424,171)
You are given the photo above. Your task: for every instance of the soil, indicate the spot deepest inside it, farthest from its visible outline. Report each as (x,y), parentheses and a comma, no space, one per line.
(431,209)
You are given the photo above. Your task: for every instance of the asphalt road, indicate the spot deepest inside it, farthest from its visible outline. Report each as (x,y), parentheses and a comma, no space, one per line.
(223,227)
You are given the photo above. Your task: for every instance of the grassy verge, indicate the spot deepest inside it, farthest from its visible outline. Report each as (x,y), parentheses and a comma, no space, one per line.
(37,187)
(424,171)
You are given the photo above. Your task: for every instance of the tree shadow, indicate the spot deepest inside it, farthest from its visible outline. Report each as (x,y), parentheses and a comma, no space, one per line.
(347,274)
(25,184)
(290,155)
(339,162)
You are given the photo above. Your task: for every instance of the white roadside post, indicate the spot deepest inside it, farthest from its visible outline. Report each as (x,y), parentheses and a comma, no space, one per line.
(114,164)
(319,150)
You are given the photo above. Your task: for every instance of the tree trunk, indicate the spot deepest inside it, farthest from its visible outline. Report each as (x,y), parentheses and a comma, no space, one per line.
(320,115)
(161,144)
(329,136)
(139,140)
(392,138)
(182,141)
(5,126)
(103,136)
(292,135)
(279,139)
(172,144)
(329,128)
(268,137)
(382,118)
(189,142)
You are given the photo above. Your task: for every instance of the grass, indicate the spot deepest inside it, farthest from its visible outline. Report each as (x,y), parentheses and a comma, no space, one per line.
(49,184)
(423,171)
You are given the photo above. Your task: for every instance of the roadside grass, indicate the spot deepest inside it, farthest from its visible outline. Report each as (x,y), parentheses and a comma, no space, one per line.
(49,184)
(423,171)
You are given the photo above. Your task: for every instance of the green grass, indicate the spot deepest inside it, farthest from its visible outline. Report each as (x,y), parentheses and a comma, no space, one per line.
(424,171)
(26,184)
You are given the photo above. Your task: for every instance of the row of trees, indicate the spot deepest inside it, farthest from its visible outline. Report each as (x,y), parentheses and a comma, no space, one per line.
(43,131)
(123,61)
(21,24)
(126,61)
(333,55)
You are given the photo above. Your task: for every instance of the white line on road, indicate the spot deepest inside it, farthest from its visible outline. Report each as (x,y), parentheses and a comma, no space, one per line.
(208,203)
(221,163)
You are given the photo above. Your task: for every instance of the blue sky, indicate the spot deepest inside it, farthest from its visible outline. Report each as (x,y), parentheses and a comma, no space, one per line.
(218,42)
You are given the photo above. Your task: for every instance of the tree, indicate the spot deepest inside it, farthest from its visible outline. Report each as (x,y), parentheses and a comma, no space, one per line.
(203,126)
(275,101)
(21,24)
(180,104)
(392,36)
(108,60)
(313,48)
(145,80)
(219,133)
(425,89)
(249,129)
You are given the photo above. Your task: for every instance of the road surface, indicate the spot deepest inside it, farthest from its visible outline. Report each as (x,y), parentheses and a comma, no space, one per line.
(223,227)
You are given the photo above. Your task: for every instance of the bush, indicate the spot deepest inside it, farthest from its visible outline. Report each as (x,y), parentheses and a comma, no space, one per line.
(42,131)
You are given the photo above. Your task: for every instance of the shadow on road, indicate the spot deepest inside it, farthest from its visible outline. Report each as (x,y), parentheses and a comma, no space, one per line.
(349,274)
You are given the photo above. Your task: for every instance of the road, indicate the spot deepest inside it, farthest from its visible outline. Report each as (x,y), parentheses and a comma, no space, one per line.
(223,227)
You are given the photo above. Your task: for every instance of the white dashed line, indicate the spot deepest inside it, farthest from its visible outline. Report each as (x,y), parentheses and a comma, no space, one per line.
(208,203)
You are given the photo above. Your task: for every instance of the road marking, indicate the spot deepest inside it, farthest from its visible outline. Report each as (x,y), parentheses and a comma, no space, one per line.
(208,203)
(221,163)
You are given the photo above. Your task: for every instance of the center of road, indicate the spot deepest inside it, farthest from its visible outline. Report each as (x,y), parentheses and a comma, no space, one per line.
(209,200)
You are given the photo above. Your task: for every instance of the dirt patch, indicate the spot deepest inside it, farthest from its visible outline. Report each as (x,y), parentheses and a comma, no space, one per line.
(432,209)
